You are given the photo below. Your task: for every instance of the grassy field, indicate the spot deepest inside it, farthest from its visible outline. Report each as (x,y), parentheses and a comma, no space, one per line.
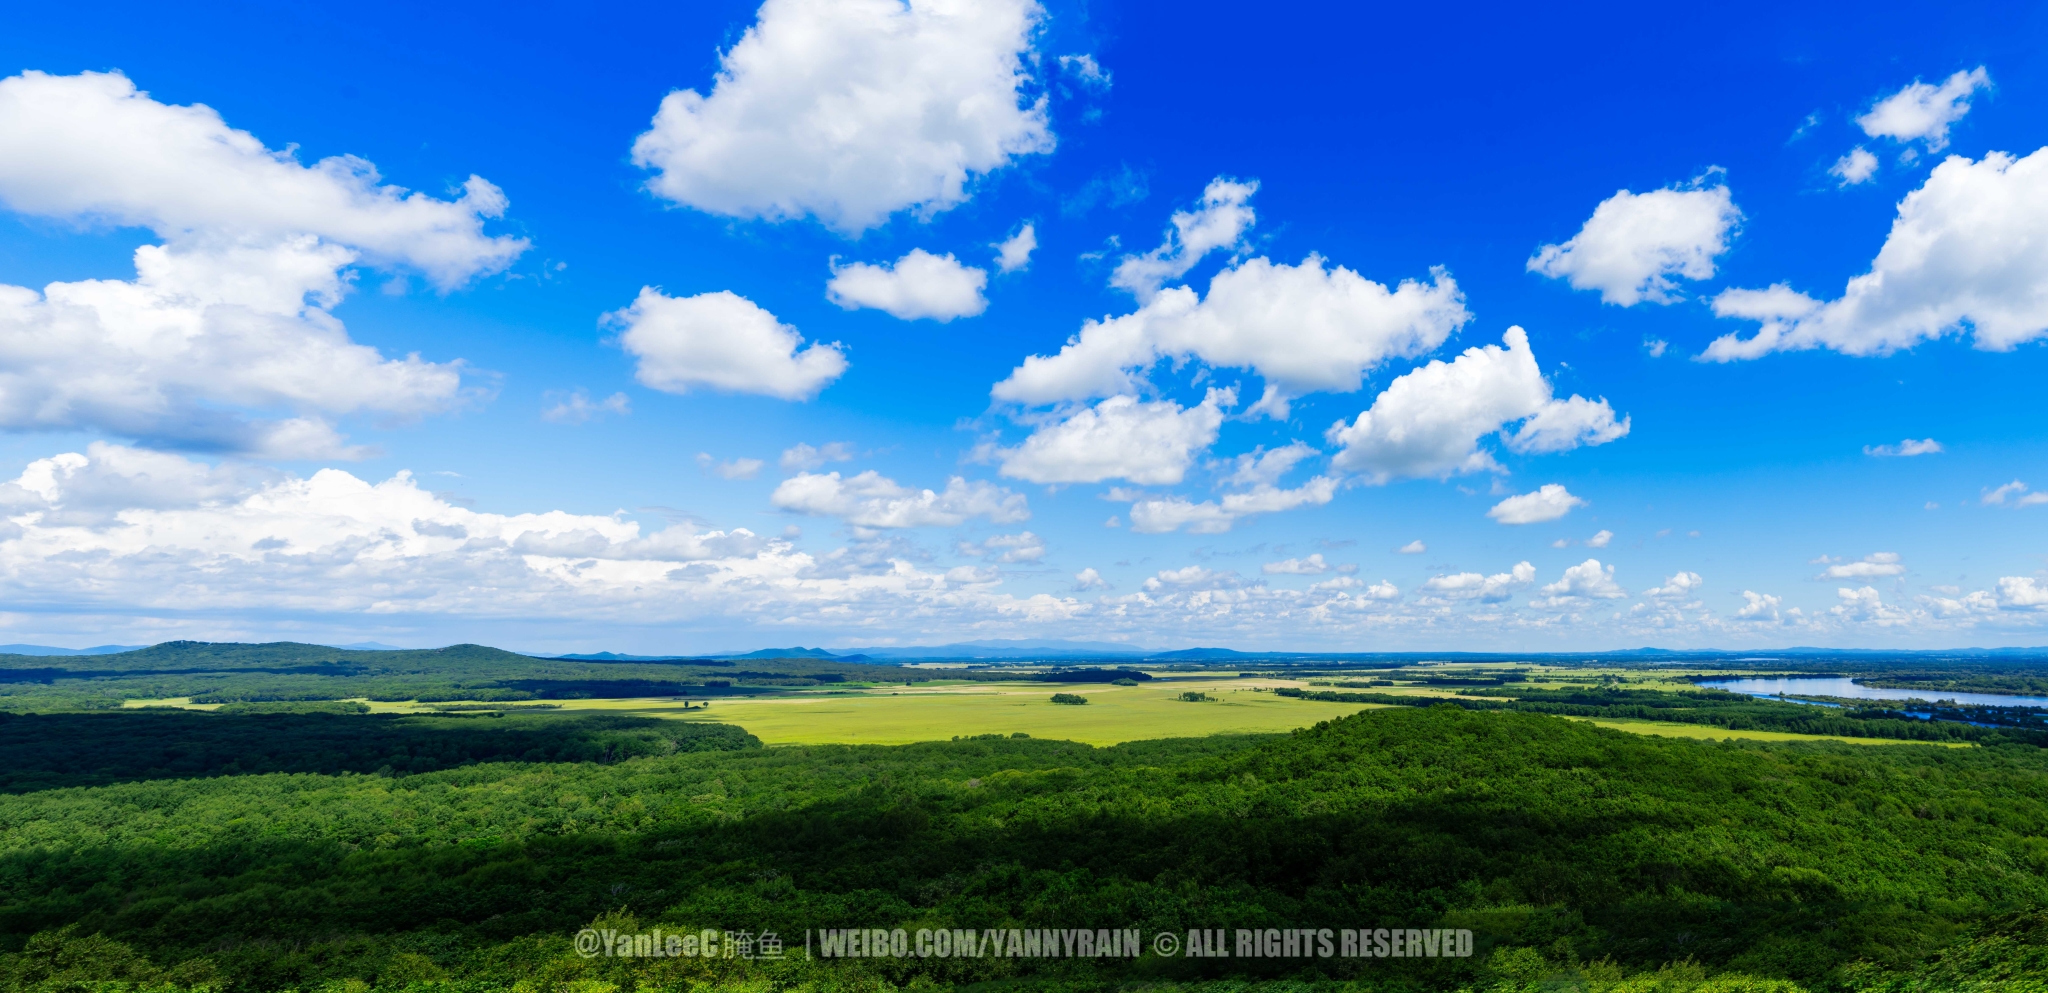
(1665,729)
(1112,714)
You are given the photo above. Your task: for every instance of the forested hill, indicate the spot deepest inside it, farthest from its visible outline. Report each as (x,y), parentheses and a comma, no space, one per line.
(1572,852)
(274,656)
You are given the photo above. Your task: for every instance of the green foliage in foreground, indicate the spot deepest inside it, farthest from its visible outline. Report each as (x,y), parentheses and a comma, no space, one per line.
(46,751)
(1579,856)
(1715,708)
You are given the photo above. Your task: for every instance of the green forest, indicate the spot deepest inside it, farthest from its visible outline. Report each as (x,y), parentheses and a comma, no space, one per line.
(293,840)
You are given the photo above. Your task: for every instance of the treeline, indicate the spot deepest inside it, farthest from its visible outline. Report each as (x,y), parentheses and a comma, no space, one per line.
(50,751)
(1572,852)
(1716,708)
(279,672)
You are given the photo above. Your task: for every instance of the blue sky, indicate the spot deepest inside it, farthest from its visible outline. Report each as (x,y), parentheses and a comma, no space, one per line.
(213,448)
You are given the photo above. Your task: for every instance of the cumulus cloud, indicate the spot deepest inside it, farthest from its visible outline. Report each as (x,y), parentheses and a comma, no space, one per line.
(225,340)
(803,456)
(2013,494)
(1260,466)
(1977,603)
(93,146)
(577,407)
(1682,586)
(872,500)
(1589,580)
(1165,514)
(851,110)
(1304,328)
(1548,503)
(1856,167)
(1636,243)
(1759,606)
(1218,222)
(1908,447)
(1968,251)
(1089,579)
(2022,591)
(918,285)
(1006,548)
(1474,586)
(1415,547)
(1358,588)
(1194,577)
(1600,539)
(1146,442)
(1874,565)
(1429,422)
(1865,606)
(723,341)
(742,468)
(1311,566)
(1922,112)
(1014,253)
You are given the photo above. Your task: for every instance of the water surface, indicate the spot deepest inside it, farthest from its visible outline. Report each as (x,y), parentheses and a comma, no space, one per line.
(1843,686)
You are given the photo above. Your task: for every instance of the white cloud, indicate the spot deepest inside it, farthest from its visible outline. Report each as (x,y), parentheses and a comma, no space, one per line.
(1020,547)
(1635,243)
(1856,167)
(850,110)
(2022,591)
(1429,421)
(1759,606)
(1655,346)
(1679,587)
(1260,466)
(1548,503)
(93,146)
(803,456)
(1014,253)
(1922,112)
(918,285)
(1977,603)
(1089,579)
(724,341)
(1864,605)
(1304,328)
(1194,577)
(1311,566)
(872,500)
(1908,447)
(2014,491)
(578,408)
(1162,515)
(1589,580)
(225,340)
(1874,565)
(1415,547)
(1219,222)
(1085,70)
(1487,589)
(1358,588)
(1146,442)
(1600,539)
(741,468)
(1968,249)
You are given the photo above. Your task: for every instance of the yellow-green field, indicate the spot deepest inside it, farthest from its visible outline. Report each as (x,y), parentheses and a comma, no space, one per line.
(1112,714)
(1663,729)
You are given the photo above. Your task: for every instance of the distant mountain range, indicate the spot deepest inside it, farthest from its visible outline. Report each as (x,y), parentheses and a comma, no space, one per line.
(50,650)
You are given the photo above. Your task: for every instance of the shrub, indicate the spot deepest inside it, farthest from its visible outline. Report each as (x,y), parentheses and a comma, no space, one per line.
(1192,696)
(1075,698)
